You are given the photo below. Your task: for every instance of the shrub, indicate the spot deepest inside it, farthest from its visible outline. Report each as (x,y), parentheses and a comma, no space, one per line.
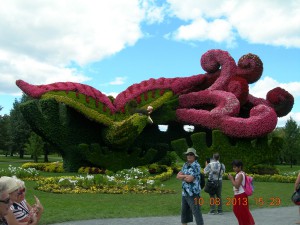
(269,178)
(55,167)
(263,169)
(169,159)
(154,168)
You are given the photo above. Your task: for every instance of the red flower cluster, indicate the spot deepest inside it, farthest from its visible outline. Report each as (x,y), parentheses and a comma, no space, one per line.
(228,93)
(281,100)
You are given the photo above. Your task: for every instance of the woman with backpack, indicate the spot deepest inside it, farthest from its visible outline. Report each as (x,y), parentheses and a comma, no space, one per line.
(240,201)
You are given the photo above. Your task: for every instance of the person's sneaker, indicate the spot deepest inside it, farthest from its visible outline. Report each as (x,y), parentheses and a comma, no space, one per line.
(220,213)
(211,213)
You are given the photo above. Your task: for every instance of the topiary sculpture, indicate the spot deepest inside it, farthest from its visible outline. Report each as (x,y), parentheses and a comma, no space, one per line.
(91,128)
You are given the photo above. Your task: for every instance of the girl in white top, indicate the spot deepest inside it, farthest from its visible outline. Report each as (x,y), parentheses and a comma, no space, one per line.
(239,177)
(240,201)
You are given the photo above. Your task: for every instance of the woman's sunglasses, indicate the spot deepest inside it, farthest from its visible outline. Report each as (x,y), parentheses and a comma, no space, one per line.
(21,191)
(190,154)
(6,201)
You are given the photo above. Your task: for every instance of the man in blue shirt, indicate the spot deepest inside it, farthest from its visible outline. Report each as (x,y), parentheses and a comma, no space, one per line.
(190,176)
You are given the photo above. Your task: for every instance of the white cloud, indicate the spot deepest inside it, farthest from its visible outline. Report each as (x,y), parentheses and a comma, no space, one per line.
(262,86)
(118,81)
(189,10)
(114,94)
(153,13)
(41,38)
(14,67)
(218,30)
(61,31)
(265,22)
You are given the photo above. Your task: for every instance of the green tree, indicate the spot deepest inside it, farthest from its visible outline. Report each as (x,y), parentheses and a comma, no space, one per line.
(4,133)
(291,140)
(19,129)
(35,146)
(278,133)
(48,148)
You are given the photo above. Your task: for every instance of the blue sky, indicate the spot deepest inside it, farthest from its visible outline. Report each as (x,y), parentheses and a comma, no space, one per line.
(112,44)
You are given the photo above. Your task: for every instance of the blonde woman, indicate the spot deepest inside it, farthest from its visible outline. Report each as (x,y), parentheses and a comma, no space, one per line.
(12,189)
(22,210)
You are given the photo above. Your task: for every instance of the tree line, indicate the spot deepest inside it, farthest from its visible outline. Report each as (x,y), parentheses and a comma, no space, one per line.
(290,133)
(17,138)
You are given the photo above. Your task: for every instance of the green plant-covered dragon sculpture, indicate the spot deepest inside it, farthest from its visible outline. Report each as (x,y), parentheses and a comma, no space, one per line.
(91,128)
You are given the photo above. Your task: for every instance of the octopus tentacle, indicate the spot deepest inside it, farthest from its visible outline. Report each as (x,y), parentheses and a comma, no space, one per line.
(213,59)
(262,120)
(250,67)
(240,88)
(225,104)
(281,100)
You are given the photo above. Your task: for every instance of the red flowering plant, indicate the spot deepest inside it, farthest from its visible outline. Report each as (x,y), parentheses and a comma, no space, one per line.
(262,120)
(233,79)
(224,103)
(250,67)
(239,87)
(281,100)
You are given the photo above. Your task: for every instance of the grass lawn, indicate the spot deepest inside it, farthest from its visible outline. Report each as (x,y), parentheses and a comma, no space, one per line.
(283,169)
(64,207)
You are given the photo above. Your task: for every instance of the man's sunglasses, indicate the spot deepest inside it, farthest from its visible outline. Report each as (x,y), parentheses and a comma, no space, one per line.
(190,154)
(6,201)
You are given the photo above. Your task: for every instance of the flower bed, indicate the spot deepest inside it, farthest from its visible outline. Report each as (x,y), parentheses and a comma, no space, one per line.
(28,173)
(134,180)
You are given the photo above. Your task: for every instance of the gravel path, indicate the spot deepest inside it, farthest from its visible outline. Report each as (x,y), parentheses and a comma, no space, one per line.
(265,216)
